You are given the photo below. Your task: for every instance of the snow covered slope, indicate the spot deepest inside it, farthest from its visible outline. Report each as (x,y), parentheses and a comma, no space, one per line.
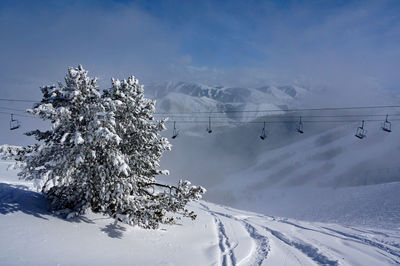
(30,235)
(325,174)
(330,176)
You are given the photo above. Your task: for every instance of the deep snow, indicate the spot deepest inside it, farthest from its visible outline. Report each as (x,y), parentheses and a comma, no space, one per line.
(30,235)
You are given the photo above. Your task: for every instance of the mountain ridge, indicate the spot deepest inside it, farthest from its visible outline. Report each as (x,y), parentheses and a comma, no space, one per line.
(190,97)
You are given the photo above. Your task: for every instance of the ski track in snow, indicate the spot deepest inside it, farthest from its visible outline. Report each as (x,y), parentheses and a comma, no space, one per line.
(383,246)
(261,241)
(307,249)
(287,251)
(365,231)
(260,234)
(225,246)
(228,256)
(369,242)
(345,236)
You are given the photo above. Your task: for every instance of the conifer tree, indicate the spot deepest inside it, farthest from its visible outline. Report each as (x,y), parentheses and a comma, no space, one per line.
(102,153)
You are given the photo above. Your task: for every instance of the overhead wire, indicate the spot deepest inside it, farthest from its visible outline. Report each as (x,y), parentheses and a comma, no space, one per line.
(248,122)
(6,113)
(17,100)
(282,121)
(287,116)
(249,111)
(243,116)
(284,110)
(256,119)
(13,109)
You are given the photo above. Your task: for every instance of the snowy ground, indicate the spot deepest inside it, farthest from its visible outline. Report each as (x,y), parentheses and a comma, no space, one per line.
(30,235)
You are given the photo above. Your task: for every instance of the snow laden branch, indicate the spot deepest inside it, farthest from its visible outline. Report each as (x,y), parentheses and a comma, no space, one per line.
(10,152)
(102,153)
(184,192)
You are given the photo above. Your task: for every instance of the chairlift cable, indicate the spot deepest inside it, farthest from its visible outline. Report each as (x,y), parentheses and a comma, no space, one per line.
(260,122)
(281,121)
(13,109)
(5,113)
(250,111)
(245,122)
(18,100)
(287,110)
(282,116)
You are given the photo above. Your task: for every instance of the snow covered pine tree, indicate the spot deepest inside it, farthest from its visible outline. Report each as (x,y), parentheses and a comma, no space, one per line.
(102,153)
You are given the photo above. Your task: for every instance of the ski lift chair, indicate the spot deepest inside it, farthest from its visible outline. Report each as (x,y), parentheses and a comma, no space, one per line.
(300,127)
(209,130)
(175,132)
(263,135)
(14,123)
(361,132)
(386,125)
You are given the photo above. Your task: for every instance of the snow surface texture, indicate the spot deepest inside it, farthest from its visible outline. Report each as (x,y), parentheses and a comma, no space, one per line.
(30,235)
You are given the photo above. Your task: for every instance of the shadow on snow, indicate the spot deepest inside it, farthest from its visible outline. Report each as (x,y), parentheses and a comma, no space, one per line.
(114,230)
(18,198)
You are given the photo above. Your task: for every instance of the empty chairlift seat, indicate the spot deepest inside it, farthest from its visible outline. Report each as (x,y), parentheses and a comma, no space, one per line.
(386,125)
(209,130)
(14,123)
(263,135)
(361,132)
(175,133)
(299,127)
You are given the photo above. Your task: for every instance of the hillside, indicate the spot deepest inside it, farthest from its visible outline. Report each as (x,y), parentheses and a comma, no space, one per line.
(339,194)
(325,174)
(31,235)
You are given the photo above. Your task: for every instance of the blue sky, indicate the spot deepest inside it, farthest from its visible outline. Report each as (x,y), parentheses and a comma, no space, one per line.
(346,45)
(160,40)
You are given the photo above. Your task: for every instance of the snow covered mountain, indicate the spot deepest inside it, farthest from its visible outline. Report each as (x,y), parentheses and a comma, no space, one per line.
(219,236)
(181,97)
